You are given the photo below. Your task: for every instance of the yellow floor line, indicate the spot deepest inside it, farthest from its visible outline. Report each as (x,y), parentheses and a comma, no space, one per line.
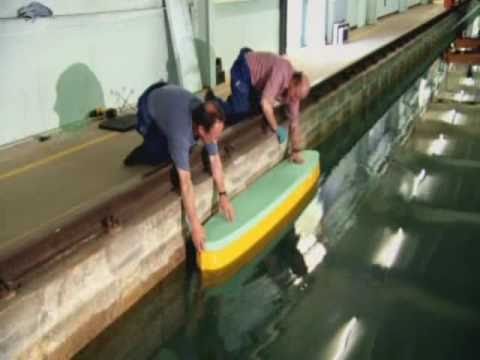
(56,156)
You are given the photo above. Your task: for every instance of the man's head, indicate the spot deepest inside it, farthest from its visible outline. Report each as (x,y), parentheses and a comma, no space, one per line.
(299,86)
(209,119)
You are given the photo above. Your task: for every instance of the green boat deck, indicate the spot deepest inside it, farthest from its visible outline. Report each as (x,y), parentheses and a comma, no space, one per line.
(259,200)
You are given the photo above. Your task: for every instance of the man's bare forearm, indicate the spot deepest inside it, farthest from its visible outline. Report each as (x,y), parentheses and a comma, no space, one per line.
(217,172)
(295,136)
(269,113)
(188,197)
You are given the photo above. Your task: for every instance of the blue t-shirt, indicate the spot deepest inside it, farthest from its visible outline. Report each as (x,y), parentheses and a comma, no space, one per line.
(171,108)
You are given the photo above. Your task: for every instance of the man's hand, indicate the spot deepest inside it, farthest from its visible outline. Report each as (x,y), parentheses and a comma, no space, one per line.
(226,208)
(198,237)
(188,198)
(297,157)
(224,204)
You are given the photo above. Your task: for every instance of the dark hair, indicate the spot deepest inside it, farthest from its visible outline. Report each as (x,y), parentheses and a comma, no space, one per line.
(207,114)
(297,78)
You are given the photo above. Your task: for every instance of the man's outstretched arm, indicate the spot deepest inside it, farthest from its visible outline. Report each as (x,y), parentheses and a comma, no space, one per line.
(225,206)
(188,199)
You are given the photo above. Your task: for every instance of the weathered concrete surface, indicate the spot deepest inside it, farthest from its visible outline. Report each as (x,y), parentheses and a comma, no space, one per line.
(155,319)
(77,296)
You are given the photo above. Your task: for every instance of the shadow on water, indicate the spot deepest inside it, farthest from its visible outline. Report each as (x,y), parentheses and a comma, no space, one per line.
(78,92)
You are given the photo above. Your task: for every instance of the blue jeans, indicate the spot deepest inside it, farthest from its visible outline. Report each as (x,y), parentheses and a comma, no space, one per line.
(154,150)
(244,100)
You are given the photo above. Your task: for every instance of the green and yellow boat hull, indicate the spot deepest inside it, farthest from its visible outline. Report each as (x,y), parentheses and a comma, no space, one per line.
(262,212)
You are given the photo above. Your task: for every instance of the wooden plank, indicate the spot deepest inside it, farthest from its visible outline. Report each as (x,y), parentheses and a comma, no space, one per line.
(472,58)
(467,43)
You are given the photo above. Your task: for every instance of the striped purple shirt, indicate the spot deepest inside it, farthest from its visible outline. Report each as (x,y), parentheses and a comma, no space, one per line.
(271,75)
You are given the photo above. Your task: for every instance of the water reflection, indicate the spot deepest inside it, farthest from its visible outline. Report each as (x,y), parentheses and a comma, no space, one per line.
(345,339)
(389,249)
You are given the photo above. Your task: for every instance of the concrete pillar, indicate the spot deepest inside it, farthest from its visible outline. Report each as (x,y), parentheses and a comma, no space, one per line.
(361,13)
(203,21)
(372,12)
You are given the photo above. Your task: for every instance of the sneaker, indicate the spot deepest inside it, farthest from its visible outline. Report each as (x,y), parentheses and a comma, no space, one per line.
(136,157)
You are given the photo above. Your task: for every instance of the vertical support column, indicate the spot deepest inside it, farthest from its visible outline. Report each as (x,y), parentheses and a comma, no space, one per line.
(204,40)
(372,13)
(283,31)
(402,5)
(361,13)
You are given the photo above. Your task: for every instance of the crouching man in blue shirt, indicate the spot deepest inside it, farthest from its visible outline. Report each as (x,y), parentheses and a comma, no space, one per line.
(171,119)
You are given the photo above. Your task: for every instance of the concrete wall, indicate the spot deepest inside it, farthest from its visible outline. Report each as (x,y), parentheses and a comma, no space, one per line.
(255,24)
(386,7)
(74,7)
(65,66)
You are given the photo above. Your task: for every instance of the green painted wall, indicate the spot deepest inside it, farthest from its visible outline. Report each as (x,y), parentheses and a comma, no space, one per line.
(54,71)
(250,23)
(9,8)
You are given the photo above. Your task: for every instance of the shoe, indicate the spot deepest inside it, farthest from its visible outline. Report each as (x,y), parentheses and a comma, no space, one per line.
(136,157)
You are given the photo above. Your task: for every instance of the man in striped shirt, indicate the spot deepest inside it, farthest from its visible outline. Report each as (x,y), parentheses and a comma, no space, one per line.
(261,80)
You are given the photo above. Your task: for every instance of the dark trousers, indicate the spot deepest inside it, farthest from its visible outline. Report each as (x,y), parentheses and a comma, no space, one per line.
(244,100)
(154,149)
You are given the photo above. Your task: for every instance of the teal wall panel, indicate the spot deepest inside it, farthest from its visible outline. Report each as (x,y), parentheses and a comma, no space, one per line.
(386,7)
(9,8)
(251,23)
(54,71)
